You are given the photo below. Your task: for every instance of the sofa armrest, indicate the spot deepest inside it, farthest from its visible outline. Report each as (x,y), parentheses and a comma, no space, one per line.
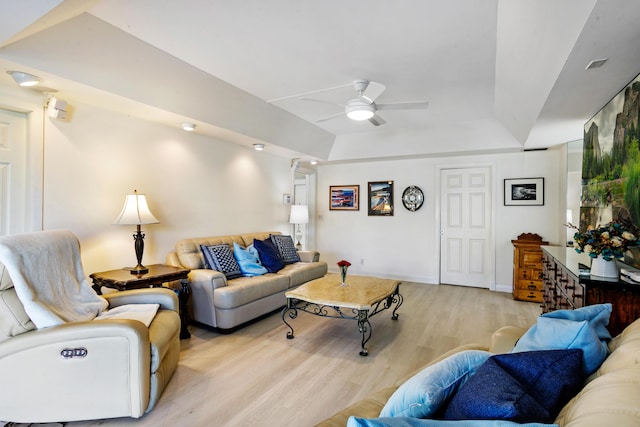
(167,298)
(504,339)
(309,256)
(209,277)
(172,259)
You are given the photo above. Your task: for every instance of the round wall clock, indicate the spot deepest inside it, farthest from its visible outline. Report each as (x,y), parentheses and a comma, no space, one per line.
(412,198)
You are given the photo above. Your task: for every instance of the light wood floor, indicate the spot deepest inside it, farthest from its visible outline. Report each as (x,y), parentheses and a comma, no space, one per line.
(257,377)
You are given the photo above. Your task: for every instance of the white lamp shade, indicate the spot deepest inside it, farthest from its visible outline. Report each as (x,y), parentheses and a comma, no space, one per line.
(135,211)
(299,214)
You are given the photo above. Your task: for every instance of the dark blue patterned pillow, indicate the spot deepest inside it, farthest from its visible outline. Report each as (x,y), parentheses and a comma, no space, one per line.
(286,248)
(220,258)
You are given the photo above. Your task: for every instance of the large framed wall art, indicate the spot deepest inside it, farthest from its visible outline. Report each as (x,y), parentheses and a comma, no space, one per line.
(344,197)
(381,198)
(611,164)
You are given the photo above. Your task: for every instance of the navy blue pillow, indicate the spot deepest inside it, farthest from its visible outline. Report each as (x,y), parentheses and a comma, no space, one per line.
(522,387)
(269,255)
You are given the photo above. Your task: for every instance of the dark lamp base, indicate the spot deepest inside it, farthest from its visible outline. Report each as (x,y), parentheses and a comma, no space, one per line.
(138,269)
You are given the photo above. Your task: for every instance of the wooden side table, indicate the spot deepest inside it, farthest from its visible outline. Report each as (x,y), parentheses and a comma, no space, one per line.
(158,274)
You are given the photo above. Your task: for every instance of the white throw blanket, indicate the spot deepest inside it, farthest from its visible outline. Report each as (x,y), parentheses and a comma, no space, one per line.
(47,274)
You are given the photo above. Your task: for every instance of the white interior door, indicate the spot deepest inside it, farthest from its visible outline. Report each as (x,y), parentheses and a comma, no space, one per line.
(466,243)
(13,161)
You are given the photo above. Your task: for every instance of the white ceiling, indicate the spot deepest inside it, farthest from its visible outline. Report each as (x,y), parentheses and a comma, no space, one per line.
(499,75)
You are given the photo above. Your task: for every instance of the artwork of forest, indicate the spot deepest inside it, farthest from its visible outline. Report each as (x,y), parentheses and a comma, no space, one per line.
(611,162)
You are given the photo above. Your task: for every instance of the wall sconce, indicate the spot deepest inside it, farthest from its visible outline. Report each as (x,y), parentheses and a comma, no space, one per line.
(24,79)
(136,212)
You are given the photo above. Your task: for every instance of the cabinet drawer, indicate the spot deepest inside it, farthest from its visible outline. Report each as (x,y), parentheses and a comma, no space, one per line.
(530,285)
(530,273)
(531,258)
(527,295)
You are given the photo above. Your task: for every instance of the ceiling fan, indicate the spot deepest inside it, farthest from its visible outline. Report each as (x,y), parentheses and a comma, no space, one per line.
(363,106)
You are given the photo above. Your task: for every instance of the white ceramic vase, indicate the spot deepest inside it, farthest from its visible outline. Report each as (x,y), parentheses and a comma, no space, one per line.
(603,268)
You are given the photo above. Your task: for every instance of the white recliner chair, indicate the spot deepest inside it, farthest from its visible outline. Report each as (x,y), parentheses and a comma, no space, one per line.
(82,370)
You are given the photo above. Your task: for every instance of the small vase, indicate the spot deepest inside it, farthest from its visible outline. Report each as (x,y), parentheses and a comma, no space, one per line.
(343,275)
(603,268)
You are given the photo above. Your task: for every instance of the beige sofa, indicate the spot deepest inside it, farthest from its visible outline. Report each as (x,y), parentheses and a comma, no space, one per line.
(610,396)
(226,304)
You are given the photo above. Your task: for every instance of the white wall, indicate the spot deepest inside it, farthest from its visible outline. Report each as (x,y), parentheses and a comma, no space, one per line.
(195,186)
(406,246)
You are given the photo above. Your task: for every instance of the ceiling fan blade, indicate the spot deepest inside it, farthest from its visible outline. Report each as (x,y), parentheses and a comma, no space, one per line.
(376,120)
(300,95)
(373,91)
(333,116)
(320,101)
(410,105)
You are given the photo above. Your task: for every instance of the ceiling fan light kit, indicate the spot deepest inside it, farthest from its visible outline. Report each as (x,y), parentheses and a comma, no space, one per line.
(359,109)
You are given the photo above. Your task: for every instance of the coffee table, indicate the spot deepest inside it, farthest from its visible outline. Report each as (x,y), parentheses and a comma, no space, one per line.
(360,299)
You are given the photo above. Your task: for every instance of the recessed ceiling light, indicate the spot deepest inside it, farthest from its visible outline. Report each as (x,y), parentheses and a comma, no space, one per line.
(313,162)
(596,63)
(189,127)
(258,147)
(24,79)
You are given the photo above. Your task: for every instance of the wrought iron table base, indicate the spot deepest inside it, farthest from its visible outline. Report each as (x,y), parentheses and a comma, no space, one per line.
(336,312)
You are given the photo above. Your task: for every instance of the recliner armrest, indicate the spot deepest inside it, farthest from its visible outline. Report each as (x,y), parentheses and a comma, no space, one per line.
(213,277)
(504,339)
(167,298)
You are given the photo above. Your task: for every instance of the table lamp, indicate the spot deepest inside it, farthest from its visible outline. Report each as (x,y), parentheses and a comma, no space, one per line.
(299,215)
(136,212)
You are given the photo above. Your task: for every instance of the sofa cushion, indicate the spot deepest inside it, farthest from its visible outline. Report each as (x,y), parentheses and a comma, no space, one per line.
(220,258)
(521,387)
(286,248)
(416,422)
(244,290)
(248,260)
(302,272)
(269,255)
(557,334)
(423,394)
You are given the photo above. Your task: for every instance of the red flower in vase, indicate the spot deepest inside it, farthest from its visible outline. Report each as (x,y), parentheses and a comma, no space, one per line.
(344,263)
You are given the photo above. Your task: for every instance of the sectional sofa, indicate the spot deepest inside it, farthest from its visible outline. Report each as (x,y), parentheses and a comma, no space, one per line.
(226,304)
(608,396)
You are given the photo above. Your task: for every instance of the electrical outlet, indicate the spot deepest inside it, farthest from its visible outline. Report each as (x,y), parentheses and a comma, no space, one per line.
(361,261)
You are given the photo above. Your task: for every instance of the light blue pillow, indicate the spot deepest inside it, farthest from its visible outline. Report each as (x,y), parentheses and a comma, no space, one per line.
(248,260)
(422,395)
(597,315)
(415,422)
(558,334)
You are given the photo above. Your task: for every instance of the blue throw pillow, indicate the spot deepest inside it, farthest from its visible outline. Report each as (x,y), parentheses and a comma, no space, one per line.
(286,248)
(248,260)
(521,387)
(269,255)
(220,258)
(597,315)
(556,334)
(416,422)
(423,394)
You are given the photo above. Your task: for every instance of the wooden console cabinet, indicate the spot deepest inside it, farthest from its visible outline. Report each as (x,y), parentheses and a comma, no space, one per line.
(527,267)
(567,284)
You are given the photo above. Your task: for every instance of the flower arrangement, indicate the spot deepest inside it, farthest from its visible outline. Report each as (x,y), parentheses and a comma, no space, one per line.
(610,240)
(343,265)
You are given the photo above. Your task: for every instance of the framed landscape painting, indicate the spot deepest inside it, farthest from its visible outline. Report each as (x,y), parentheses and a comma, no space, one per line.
(344,197)
(381,198)
(524,192)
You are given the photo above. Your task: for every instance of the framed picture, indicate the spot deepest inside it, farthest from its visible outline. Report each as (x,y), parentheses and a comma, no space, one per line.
(381,198)
(344,197)
(524,192)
